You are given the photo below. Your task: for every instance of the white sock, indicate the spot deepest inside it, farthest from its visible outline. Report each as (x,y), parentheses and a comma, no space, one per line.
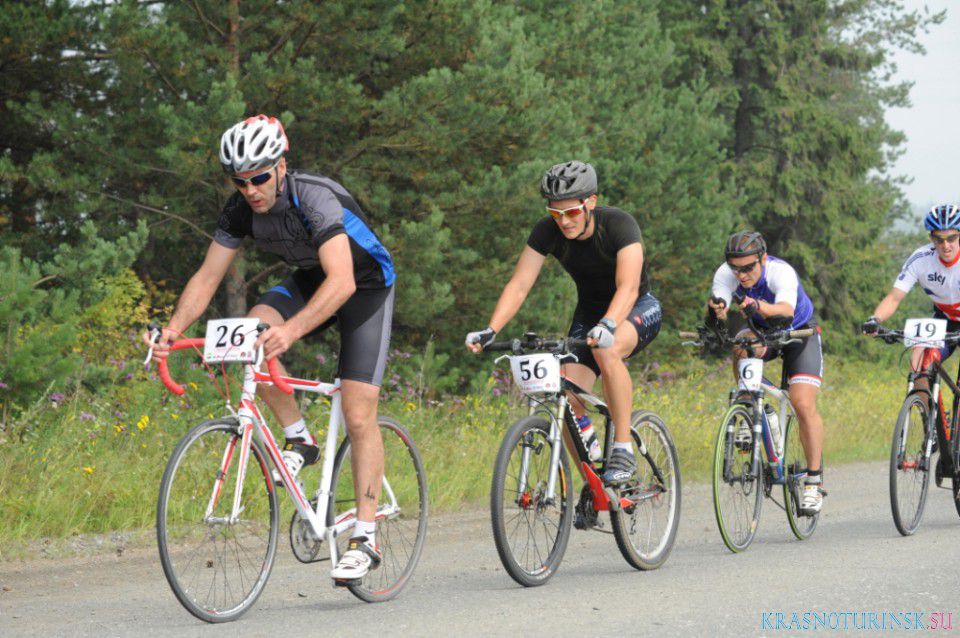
(363,528)
(298,430)
(626,447)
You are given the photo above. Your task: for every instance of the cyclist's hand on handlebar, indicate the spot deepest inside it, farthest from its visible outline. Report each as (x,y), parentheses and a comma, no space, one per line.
(871,326)
(749,306)
(477,341)
(276,340)
(719,307)
(161,348)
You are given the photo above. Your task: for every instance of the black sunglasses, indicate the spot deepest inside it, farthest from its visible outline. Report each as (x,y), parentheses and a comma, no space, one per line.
(743,270)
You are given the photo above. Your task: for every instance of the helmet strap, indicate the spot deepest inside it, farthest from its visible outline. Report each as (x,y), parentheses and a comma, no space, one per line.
(586,226)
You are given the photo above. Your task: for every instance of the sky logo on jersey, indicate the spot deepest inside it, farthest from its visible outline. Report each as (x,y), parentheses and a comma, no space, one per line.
(937,277)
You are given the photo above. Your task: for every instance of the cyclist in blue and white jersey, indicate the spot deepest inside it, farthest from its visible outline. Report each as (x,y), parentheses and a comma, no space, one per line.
(935,267)
(342,274)
(769,288)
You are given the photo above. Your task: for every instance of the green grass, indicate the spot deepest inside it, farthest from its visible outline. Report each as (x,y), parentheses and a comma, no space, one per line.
(94,465)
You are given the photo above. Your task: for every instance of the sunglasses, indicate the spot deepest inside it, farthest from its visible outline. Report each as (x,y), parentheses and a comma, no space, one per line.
(743,270)
(256,180)
(573,211)
(949,239)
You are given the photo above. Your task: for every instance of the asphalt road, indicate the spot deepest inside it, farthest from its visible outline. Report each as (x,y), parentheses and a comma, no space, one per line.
(855,564)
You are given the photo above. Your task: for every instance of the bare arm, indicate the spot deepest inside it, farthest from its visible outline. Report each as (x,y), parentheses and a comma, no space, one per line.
(199,290)
(889,304)
(629,267)
(781,309)
(517,289)
(338,286)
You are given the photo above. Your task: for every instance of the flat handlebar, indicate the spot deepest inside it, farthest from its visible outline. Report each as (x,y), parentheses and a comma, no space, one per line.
(534,343)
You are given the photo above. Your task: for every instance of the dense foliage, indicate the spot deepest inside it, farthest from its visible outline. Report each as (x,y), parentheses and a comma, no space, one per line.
(702,116)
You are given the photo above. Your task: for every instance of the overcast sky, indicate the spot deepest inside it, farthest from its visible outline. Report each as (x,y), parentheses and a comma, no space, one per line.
(932,124)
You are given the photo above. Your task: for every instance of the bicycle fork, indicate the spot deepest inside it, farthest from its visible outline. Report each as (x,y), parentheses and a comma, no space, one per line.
(553,437)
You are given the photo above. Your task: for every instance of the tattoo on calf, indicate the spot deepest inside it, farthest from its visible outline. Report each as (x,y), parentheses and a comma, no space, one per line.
(369,494)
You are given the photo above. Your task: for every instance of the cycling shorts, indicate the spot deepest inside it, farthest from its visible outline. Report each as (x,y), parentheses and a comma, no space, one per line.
(645,317)
(803,361)
(364,321)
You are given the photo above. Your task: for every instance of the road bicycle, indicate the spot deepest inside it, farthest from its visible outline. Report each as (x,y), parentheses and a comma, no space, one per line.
(531,501)
(923,427)
(746,470)
(218,513)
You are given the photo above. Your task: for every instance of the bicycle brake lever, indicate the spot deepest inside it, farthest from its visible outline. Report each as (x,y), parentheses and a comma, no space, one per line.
(259,360)
(156,335)
(501,358)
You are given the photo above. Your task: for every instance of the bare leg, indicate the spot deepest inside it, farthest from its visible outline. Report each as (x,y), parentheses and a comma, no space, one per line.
(360,401)
(803,396)
(617,384)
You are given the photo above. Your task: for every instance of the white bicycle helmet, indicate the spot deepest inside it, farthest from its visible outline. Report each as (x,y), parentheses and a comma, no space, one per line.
(256,142)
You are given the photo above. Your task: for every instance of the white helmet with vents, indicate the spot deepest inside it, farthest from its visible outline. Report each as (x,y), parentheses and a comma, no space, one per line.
(256,142)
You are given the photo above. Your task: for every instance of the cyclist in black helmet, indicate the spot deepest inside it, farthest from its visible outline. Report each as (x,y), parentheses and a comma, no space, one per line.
(602,250)
(767,288)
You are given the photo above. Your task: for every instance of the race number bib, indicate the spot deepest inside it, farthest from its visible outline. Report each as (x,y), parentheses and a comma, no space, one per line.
(924,332)
(231,340)
(536,373)
(751,373)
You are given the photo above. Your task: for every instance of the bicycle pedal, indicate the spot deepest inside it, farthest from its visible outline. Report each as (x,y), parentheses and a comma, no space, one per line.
(346,582)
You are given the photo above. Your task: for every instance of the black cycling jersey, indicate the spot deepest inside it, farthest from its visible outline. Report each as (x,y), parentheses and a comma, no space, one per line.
(310,210)
(592,262)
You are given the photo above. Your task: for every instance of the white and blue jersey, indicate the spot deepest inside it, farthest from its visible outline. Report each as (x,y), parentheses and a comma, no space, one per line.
(778,283)
(310,210)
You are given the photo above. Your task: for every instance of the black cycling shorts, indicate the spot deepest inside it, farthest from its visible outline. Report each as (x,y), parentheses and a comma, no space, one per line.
(364,321)
(802,362)
(645,317)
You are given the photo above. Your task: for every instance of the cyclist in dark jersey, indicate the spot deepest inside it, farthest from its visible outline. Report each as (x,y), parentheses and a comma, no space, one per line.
(601,248)
(342,274)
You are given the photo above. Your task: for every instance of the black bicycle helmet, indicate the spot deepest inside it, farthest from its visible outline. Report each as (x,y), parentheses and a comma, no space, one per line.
(744,243)
(570,180)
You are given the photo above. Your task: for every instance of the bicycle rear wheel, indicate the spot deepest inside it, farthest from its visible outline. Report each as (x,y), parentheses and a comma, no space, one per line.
(737,491)
(401,512)
(216,566)
(645,531)
(795,471)
(909,480)
(530,530)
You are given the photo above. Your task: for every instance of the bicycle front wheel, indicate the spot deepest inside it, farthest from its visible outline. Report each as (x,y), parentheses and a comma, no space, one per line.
(737,490)
(909,479)
(530,528)
(795,472)
(646,530)
(401,512)
(216,558)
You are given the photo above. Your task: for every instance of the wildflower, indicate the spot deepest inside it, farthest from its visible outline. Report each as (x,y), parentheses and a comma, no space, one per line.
(174,415)
(143,422)
(193,385)
(4,386)
(129,377)
(118,428)
(88,469)
(410,407)
(56,397)
(86,416)
(321,359)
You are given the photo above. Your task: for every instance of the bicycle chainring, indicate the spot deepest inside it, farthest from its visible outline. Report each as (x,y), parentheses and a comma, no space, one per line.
(303,542)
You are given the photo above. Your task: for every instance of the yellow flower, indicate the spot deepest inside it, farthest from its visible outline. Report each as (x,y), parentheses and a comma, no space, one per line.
(410,407)
(210,415)
(118,429)
(193,385)
(89,469)
(174,416)
(142,423)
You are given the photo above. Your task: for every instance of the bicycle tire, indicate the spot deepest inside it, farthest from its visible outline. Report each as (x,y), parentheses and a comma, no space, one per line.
(217,570)
(795,470)
(511,507)
(737,494)
(909,483)
(649,551)
(400,537)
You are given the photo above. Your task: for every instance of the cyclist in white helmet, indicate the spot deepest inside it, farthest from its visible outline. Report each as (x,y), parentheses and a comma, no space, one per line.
(342,273)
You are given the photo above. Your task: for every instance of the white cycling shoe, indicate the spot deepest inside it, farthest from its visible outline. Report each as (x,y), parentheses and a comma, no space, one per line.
(811,501)
(359,559)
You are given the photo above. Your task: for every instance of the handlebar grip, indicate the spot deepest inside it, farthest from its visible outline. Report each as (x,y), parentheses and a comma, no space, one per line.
(802,334)
(498,346)
(278,381)
(168,381)
(683,334)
